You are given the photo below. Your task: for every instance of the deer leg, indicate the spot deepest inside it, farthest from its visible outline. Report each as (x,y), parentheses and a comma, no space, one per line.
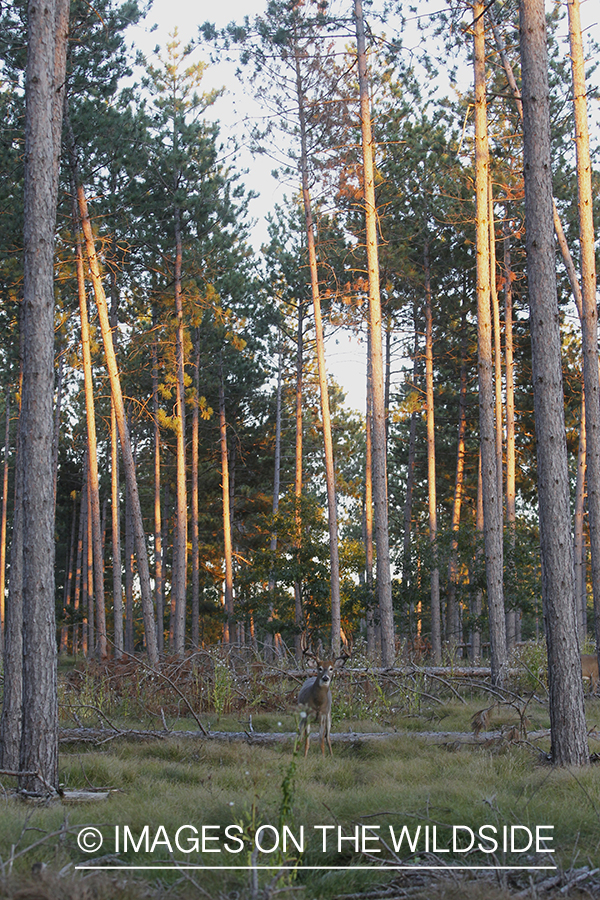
(328,732)
(306,733)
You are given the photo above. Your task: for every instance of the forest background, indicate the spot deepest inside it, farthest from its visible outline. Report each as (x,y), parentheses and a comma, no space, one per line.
(215,342)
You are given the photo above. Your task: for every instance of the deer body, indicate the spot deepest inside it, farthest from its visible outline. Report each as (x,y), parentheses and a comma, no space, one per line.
(589,669)
(315,694)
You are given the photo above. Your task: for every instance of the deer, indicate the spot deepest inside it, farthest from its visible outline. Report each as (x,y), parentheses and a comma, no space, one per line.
(589,669)
(315,694)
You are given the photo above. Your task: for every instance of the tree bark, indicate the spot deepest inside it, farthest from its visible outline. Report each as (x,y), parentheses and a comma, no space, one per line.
(195,500)
(453,611)
(324,391)
(298,611)
(380,499)
(93,481)
(180,540)
(115,504)
(117,397)
(436,619)
(12,693)
(4,521)
(497,341)
(491,500)
(369,549)
(512,614)
(579,534)
(46,56)
(567,717)
(228,633)
(589,320)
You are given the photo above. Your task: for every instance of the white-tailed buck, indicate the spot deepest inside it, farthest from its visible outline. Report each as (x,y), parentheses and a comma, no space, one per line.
(315,694)
(589,669)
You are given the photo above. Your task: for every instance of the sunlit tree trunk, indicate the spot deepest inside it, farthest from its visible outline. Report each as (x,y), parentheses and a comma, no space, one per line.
(567,716)
(476,591)
(228,632)
(436,621)
(410,480)
(384,582)
(369,550)
(512,615)
(89,553)
(589,322)
(117,397)
(129,555)
(276,477)
(492,503)
(195,502)
(324,391)
(93,482)
(453,611)
(298,612)
(158,545)
(497,341)
(77,625)
(180,539)
(115,512)
(64,630)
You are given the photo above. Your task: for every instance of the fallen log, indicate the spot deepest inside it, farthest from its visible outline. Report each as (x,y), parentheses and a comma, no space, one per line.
(104,735)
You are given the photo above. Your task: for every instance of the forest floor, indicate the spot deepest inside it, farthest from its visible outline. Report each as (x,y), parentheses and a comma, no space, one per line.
(191,783)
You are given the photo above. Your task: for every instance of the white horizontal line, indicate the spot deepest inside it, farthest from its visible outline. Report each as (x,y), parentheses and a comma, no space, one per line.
(339,868)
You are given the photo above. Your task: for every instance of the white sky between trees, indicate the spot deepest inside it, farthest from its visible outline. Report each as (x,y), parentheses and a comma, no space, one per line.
(346,357)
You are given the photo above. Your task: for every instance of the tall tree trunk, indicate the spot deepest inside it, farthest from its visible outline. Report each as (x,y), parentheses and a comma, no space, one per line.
(117,397)
(476,591)
(410,481)
(3,522)
(180,539)
(115,510)
(93,481)
(324,391)
(77,618)
(89,552)
(129,545)
(369,549)
(453,611)
(512,614)
(277,477)
(589,322)
(12,693)
(436,620)
(69,578)
(159,577)
(44,88)
(382,543)
(560,234)
(56,438)
(567,717)
(228,633)
(497,341)
(298,612)
(195,500)
(492,503)
(579,534)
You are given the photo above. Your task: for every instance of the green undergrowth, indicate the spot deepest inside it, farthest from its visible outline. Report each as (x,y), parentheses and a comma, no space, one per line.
(403,781)
(164,790)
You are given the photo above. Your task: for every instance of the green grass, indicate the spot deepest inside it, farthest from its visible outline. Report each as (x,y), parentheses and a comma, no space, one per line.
(404,780)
